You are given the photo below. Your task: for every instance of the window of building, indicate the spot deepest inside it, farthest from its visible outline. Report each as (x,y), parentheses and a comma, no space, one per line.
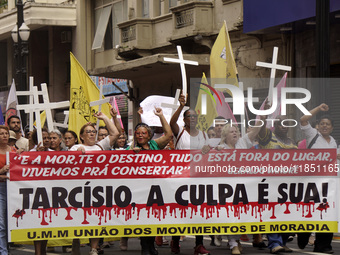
(107,16)
(103,16)
(172,3)
(145,9)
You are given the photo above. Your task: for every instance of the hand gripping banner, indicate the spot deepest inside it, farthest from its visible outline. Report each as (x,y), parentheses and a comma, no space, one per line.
(66,195)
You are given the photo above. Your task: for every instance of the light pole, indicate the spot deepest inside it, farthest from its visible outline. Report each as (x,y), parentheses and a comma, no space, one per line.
(20,39)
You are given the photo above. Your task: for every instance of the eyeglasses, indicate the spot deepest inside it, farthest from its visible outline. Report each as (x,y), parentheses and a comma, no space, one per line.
(141,133)
(102,134)
(191,116)
(90,131)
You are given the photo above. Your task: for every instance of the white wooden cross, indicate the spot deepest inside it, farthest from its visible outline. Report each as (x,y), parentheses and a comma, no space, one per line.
(65,124)
(99,102)
(175,104)
(274,66)
(30,100)
(37,107)
(182,63)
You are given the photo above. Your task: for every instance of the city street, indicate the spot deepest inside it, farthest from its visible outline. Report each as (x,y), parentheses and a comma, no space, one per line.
(186,248)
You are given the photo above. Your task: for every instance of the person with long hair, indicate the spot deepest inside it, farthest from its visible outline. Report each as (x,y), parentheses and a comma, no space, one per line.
(188,138)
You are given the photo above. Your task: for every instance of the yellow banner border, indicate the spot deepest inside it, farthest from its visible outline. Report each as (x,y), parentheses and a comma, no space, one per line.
(33,234)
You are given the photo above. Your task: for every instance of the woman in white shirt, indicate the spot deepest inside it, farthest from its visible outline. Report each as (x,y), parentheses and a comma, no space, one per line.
(187,138)
(231,139)
(87,136)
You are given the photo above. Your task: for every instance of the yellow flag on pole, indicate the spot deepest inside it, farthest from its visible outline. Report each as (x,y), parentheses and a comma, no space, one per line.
(205,119)
(222,62)
(83,91)
(42,119)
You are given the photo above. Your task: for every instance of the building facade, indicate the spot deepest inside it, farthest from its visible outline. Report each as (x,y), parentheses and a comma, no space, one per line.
(128,39)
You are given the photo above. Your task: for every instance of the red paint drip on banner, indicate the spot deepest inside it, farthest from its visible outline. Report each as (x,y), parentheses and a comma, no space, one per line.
(18,213)
(322,207)
(107,214)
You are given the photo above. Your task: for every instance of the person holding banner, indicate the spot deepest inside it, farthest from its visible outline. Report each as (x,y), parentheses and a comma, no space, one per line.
(46,140)
(70,138)
(56,139)
(142,140)
(87,135)
(4,148)
(121,142)
(188,138)
(277,139)
(319,138)
(231,139)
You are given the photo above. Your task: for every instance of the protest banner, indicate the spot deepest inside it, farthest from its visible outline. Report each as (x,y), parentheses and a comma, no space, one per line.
(65,195)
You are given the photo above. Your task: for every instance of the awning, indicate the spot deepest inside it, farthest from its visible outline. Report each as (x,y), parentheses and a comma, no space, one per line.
(148,66)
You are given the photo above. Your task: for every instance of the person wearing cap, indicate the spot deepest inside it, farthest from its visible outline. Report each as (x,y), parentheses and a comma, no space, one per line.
(14,124)
(12,139)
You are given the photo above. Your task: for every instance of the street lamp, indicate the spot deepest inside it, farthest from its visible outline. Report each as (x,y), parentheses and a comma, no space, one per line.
(21,51)
(20,39)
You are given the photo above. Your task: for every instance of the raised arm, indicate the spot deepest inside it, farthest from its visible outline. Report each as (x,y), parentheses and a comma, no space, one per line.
(113,131)
(305,118)
(114,113)
(173,122)
(163,140)
(263,129)
(140,112)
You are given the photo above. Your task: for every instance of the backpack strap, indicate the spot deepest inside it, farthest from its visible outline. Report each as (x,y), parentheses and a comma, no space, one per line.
(313,141)
(179,137)
(205,138)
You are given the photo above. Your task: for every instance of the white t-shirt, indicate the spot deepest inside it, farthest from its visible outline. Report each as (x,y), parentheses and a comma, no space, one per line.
(242,143)
(188,142)
(320,143)
(101,145)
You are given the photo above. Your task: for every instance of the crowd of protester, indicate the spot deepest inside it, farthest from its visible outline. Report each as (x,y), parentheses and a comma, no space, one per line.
(171,136)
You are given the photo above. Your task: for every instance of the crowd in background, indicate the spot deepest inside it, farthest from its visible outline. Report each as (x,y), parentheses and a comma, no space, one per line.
(170,136)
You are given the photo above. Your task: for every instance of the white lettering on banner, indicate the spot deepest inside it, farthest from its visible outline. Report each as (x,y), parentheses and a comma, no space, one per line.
(125,190)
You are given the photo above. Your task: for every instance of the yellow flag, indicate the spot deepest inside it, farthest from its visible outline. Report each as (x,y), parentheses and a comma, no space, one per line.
(42,119)
(222,62)
(204,121)
(83,91)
